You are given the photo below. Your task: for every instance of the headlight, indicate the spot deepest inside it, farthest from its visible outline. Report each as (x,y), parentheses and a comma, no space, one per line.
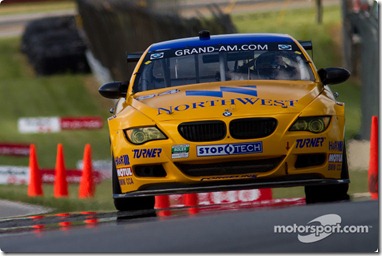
(314,124)
(144,134)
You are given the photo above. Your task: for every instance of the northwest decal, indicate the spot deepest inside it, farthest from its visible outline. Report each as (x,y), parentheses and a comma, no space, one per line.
(252,101)
(230,149)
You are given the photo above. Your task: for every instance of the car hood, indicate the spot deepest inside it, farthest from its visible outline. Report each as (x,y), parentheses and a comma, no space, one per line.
(215,100)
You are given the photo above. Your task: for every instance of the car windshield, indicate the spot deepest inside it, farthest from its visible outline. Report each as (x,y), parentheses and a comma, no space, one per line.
(167,68)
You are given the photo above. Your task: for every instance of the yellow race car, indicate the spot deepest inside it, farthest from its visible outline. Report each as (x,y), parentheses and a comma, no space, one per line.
(226,112)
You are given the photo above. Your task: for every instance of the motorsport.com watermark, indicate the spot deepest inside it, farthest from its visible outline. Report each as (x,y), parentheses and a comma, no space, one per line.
(320,228)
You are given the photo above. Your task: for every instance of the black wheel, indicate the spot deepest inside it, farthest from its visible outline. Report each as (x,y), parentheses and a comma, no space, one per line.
(330,193)
(134,203)
(131,203)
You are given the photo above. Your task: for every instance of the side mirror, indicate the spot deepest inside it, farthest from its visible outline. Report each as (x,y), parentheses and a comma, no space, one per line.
(333,75)
(113,90)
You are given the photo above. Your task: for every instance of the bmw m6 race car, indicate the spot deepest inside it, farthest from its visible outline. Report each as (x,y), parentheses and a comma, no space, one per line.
(226,112)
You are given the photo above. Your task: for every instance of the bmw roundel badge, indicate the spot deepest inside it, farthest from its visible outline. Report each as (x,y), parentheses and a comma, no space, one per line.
(227,113)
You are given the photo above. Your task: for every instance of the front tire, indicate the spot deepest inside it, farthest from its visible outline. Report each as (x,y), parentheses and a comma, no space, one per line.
(332,192)
(131,203)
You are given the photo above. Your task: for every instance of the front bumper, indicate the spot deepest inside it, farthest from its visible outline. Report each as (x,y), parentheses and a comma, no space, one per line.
(176,165)
(227,185)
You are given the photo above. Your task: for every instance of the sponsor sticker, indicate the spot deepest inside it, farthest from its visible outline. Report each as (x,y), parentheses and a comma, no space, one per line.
(158,55)
(336,145)
(122,160)
(169,92)
(180,151)
(334,167)
(124,172)
(147,153)
(285,47)
(126,181)
(335,158)
(145,97)
(230,149)
(310,142)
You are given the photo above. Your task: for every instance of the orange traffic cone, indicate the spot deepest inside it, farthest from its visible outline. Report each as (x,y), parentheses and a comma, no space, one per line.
(35,183)
(60,182)
(192,201)
(86,188)
(162,203)
(373,163)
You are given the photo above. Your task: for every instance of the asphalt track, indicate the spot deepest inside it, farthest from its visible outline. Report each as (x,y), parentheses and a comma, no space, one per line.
(242,229)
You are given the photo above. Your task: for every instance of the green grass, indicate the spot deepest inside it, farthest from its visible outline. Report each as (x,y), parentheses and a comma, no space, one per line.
(36,7)
(22,94)
(102,200)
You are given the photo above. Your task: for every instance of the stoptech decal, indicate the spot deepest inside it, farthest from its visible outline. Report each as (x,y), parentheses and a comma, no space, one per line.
(122,160)
(310,142)
(147,153)
(230,149)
